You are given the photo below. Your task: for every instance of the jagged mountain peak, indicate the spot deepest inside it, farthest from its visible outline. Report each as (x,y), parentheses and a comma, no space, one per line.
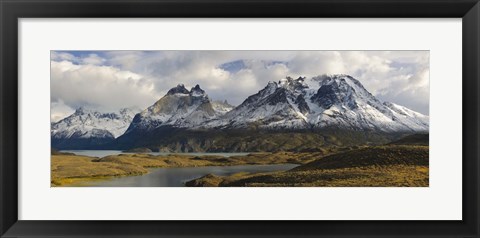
(222,107)
(83,110)
(287,85)
(179,89)
(344,90)
(179,107)
(197,91)
(271,85)
(291,83)
(339,80)
(224,102)
(280,104)
(129,110)
(86,126)
(88,113)
(342,101)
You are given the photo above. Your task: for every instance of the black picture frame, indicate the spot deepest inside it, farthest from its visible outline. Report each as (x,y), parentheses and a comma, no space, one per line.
(12,10)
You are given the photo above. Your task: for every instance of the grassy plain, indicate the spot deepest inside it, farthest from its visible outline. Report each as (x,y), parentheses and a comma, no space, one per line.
(69,169)
(378,166)
(405,163)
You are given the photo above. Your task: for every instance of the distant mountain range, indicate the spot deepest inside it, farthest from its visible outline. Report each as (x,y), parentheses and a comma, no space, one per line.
(86,128)
(335,110)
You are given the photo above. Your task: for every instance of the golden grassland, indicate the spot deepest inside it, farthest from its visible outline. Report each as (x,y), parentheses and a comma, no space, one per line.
(369,176)
(74,169)
(67,169)
(380,166)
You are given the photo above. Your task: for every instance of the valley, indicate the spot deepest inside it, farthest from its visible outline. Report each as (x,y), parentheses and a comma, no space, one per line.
(389,165)
(324,131)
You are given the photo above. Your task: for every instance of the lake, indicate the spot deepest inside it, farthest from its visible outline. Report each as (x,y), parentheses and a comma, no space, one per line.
(103,153)
(176,177)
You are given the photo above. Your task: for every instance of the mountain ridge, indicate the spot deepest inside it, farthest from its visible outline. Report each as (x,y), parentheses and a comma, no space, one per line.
(339,102)
(87,128)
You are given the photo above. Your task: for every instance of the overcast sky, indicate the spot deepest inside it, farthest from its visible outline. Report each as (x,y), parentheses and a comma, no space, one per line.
(110,80)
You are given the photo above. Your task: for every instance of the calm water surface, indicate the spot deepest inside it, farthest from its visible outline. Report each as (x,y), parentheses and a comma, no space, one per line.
(103,153)
(176,177)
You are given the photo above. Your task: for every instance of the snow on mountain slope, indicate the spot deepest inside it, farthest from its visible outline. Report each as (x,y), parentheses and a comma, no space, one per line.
(342,101)
(278,105)
(85,124)
(338,101)
(410,118)
(334,102)
(179,107)
(221,107)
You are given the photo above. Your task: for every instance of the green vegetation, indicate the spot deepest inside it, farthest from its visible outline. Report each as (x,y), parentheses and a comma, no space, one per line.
(138,150)
(415,139)
(372,156)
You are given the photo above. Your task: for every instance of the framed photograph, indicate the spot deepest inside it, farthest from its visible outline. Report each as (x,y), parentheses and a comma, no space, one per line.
(239,118)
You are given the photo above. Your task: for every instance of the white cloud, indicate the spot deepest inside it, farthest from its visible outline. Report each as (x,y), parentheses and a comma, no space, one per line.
(59,110)
(93,59)
(60,56)
(102,87)
(312,63)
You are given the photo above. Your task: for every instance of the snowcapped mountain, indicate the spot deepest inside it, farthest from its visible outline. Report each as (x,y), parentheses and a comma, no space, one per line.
(187,120)
(408,117)
(336,101)
(340,102)
(86,126)
(222,107)
(179,108)
(278,105)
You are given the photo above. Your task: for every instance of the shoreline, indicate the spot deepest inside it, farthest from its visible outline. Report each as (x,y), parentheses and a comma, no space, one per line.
(76,170)
(378,166)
